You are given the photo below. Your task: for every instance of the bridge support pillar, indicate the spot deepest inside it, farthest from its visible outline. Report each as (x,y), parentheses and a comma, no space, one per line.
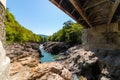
(102,37)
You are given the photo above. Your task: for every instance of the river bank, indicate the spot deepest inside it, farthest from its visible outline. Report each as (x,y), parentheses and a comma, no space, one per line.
(96,64)
(25,64)
(20,50)
(55,47)
(23,56)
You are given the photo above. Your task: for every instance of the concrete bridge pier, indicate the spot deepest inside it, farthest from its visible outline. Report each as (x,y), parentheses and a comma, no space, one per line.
(102,37)
(4,61)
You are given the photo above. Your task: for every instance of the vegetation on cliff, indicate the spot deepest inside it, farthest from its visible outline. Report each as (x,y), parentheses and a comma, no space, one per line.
(17,33)
(70,33)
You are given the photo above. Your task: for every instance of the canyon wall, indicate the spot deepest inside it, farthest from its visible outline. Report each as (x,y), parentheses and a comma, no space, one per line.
(4,61)
(2,17)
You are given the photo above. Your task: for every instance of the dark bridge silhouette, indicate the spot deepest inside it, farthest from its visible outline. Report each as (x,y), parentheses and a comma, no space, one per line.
(91,12)
(100,18)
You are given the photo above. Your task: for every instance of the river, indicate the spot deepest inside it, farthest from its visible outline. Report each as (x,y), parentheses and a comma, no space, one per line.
(47,57)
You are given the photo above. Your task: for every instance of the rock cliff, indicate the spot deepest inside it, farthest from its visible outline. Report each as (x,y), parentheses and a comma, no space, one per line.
(55,47)
(2,25)
(4,61)
(94,65)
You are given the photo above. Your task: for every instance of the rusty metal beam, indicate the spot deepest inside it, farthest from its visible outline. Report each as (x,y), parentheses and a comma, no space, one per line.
(75,4)
(115,5)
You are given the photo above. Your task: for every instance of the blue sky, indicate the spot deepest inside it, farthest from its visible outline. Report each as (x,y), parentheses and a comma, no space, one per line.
(39,16)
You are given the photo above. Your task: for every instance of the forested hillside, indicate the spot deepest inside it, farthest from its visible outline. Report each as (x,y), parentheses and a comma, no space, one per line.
(70,33)
(17,33)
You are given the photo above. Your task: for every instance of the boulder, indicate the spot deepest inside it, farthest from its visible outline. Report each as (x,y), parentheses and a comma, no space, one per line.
(20,50)
(97,64)
(82,62)
(109,64)
(23,58)
(55,47)
(50,71)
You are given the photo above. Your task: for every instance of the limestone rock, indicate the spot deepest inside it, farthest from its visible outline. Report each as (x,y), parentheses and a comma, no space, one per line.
(109,63)
(82,62)
(55,47)
(18,71)
(50,71)
(101,64)
(23,58)
(4,64)
(17,51)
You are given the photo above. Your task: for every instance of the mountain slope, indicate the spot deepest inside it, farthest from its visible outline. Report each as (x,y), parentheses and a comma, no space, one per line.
(43,35)
(16,32)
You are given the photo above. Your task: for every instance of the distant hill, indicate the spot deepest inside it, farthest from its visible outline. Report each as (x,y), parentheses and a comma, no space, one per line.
(17,33)
(43,35)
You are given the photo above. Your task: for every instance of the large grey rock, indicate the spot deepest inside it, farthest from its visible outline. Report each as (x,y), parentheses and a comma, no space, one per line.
(2,25)
(17,51)
(55,47)
(109,63)
(4,64)
(102,64)
(82,62)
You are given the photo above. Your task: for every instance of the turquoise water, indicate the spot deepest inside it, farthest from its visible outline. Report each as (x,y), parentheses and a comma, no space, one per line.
(47,57)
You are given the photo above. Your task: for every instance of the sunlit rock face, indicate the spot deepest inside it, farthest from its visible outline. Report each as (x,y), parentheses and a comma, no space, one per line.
(2,18)
(2,53)
(4,61)
(4,64)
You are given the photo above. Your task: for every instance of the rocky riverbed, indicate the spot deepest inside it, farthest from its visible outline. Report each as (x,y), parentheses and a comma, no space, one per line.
(55,47)
(96,64)
(18,51)
(75,63)
(25,64)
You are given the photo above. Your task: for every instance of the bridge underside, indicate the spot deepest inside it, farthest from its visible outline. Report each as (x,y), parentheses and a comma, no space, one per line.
(100,18)
(91,12)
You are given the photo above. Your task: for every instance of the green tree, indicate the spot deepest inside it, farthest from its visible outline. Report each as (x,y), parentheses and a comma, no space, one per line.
(17,33)
(70,33)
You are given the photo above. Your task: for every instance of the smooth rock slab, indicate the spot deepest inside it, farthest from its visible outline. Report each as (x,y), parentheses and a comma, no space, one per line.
(50,71)
(4,69)
(4,64)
